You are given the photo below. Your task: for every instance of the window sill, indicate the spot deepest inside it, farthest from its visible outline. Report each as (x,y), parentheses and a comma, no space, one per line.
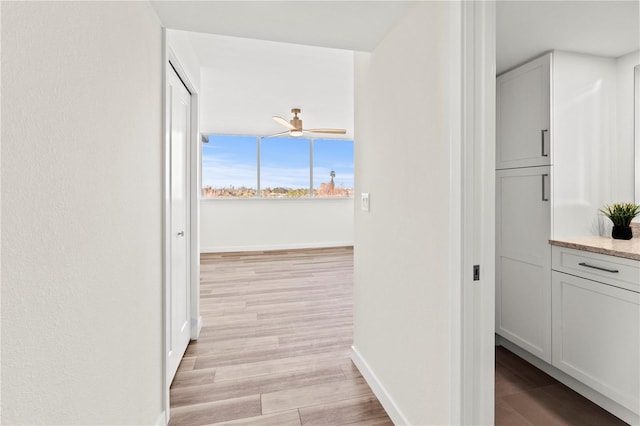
(275,199)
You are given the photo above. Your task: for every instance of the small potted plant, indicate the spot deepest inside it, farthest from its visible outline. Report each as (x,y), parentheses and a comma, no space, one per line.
(621,214)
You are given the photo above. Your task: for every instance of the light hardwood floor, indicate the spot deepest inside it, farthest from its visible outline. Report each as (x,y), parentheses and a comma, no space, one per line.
(275,346)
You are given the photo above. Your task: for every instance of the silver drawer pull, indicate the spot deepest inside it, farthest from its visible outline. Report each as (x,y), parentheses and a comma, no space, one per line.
(542,132)
(586,265)
(544,196)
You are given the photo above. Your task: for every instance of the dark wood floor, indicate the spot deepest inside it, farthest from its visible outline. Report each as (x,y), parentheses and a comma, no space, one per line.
(275,346)
(526,395)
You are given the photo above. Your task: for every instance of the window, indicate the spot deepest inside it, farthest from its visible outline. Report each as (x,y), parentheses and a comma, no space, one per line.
(332,168)
(284,167)
(281,167)
(230,167)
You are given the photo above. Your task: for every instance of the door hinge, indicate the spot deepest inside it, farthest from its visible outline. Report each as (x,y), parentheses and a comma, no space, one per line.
(476,272)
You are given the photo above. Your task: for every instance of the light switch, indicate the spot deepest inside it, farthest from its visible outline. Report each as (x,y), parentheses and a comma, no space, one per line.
(364,201)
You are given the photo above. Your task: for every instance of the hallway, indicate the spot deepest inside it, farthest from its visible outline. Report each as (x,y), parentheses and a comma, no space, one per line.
(275,346)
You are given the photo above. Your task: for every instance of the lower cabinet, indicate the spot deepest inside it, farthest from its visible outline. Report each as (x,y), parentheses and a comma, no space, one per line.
(523,259)
(596,336)
(590,315)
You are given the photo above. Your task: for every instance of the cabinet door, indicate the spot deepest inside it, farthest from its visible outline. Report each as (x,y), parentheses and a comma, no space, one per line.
(596,329)
(523,259)
(523,114)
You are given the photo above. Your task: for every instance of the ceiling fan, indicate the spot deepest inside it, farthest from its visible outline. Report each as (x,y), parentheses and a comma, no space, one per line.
(295,128)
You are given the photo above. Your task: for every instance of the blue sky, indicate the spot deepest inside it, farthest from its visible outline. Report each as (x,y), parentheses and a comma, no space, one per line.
(232,160)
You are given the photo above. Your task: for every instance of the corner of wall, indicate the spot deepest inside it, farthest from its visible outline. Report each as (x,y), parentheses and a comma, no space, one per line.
(389,405)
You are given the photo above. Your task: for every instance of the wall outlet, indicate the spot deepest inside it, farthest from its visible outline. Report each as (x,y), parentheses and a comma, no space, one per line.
(364,201)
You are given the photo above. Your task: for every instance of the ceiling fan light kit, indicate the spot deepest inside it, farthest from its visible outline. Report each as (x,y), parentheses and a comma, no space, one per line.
(295,128)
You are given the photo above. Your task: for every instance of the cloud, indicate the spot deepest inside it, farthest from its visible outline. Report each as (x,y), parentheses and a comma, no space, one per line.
(221,173)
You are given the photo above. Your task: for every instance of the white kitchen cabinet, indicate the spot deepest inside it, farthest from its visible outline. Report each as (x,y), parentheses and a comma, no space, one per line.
(613,270)
(523,259)
(554,134)
(523,114)
(596,333)
(573,96)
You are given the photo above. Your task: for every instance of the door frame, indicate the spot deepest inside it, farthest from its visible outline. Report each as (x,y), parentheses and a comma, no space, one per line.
(472,140)
(473,196)
(170,62)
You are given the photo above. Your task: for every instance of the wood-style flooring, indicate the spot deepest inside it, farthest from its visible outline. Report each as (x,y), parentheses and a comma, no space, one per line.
(275,345)
(526,395)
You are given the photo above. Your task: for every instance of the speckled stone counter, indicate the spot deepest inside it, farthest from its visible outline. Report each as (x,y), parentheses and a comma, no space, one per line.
(629,249)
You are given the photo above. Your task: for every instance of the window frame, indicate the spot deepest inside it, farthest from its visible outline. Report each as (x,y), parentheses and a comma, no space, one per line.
(258,195)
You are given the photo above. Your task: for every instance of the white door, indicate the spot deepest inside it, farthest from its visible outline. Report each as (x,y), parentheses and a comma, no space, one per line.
(179,100)
(523,259)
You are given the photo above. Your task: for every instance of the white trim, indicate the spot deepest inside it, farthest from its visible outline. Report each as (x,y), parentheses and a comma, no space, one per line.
(194,192)
(196,327)
(194,152)
(378,388)
(162,419)
(272,247)
(169,60)
(476,306)
(584,390)
(166,231)
(277,200)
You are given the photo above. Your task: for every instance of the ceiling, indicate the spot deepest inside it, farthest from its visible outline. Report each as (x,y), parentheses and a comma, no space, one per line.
(279,76)
(244,82)
(524,28)
(351,25)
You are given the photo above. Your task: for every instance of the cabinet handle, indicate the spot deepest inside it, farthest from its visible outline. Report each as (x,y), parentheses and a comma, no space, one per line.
(544,195)
(586,265)
(542,132)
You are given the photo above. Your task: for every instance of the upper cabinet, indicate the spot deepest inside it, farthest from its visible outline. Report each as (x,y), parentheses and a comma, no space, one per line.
(524,115)
(559,110)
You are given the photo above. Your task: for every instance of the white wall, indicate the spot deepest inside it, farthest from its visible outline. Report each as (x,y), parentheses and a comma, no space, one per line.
(243,83)
(81,213)
(402,327)
(584,137)
(593,140)
(624,172)
(262,224)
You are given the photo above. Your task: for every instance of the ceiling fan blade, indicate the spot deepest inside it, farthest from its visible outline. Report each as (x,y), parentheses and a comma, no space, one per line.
(277,134)
(334,131)
(284,122)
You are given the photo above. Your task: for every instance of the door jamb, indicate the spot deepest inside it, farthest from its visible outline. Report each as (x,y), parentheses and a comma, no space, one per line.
(473,163)
(169,60)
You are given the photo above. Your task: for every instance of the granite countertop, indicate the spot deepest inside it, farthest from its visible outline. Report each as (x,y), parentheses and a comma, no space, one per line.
(629,249)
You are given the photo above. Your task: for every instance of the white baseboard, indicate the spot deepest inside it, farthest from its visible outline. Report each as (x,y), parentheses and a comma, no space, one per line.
(584,390)
(270,247)
(162,419)
(378,389)
(195,331)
